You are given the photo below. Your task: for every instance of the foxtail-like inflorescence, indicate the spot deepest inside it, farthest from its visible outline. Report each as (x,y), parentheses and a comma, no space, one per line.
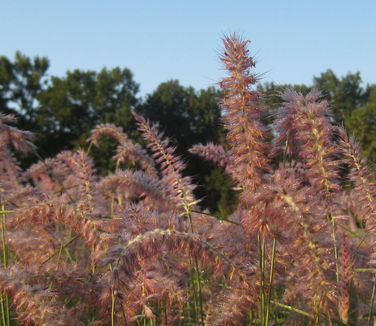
(134,247)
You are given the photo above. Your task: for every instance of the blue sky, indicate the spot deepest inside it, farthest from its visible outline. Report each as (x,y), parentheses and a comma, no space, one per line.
(160,40)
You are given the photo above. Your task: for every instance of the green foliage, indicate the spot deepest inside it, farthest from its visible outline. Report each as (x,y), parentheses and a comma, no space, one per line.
(273,91)
(352,105)
(189,117)
(62,110)
(73,105)
(345,94)
(133,247)
(362,124)
(184,114)
(219,197)
(21,81)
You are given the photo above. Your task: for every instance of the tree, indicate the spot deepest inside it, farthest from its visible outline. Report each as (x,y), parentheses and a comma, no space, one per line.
(188,117)
(362,124)
(184,114)
(62,110)
(271,93)
(21,81)
(345,94)
(72,105)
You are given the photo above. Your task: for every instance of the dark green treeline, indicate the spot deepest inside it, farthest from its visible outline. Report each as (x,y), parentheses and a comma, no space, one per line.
(61,111)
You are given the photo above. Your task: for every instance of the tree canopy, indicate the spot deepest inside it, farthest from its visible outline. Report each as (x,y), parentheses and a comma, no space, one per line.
(61,110)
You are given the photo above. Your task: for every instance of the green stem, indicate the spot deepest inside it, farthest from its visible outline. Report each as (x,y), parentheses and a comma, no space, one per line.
(302,312)
(112,303)
(7,311)
(196,271)
(89,148)
(372,270)
(270,282)
(5,261)
(193,284)
(261,241)
(3,321)
(334,237)
(3,226)
(63,246)
(217,217)
(198,281)
(371,304)
(285,306)
(330,320)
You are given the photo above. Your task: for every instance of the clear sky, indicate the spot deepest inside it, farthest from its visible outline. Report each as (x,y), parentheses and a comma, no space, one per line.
(293,40)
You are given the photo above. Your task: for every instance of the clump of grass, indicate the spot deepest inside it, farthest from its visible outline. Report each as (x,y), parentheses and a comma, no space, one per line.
(134,247)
